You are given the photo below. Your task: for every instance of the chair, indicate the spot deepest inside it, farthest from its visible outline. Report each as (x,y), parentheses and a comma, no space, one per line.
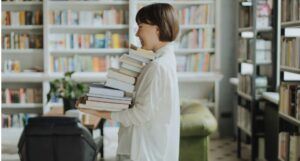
(56,139)
(196,124)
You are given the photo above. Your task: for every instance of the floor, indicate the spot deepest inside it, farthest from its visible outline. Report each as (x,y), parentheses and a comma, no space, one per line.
(220,149)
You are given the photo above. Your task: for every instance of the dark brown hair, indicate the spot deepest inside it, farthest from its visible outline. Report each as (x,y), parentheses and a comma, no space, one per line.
(161,15)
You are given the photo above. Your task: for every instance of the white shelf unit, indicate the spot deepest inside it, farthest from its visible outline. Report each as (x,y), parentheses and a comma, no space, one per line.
(185,78)
(27,57)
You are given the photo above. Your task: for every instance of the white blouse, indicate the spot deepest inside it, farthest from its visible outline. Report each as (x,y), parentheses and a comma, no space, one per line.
(150,129)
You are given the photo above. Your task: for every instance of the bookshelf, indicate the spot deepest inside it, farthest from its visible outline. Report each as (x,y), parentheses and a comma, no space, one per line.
(288,140)
(22,61)
(55,31)
(256,53)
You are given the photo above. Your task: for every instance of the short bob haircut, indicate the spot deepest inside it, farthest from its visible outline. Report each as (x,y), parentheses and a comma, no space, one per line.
(162,15)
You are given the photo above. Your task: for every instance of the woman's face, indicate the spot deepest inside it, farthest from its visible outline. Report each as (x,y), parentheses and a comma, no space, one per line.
(148,35)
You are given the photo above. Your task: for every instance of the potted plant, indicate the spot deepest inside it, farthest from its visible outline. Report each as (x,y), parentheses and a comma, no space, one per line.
(67,89)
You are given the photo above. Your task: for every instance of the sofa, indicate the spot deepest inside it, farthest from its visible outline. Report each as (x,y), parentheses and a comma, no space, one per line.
(196,124)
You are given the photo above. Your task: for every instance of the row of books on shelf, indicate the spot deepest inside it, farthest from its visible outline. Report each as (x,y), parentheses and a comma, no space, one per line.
(244,119)
(197,38)
(261,83)
(289,146)
(81,63)
(200,62)
(16,18)
(21,95)
(290,52)
(14,66)
(21,0)
(103,17)
(201,14)
(117,93)
(290,99)
(263,15)
(86,41)
(22,41)
(16,120)
(290,10)
(262,52)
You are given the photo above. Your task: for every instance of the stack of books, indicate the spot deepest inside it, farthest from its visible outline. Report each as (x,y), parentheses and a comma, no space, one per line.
(117,92)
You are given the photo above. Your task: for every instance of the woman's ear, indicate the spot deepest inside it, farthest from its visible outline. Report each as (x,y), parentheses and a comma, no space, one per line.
(157,31)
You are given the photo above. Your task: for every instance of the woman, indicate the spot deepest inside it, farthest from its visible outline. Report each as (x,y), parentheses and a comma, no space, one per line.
(150,129)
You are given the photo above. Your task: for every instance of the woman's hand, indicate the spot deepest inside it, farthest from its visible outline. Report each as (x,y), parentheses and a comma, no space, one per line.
(101,114)
(80,100)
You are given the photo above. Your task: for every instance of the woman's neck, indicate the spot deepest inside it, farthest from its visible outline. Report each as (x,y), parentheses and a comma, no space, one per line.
(159,45)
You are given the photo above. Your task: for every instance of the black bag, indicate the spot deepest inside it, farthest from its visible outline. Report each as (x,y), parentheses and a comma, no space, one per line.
(56,139)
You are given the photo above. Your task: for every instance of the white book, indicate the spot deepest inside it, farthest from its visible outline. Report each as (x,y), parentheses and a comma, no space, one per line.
(85,106)
(109,97)
(128,72)
(98,88)
(128,60)
(130,67)
(115,74)
(109,100)
(107,104)
(133,54)
(144,53)
(119,85)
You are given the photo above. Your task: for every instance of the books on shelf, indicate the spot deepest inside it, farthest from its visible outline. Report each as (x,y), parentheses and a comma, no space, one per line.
(290,52)
(197,38)
(245,82)
(21,95)
(290,10)
(245,17)
(11,66)
(244,119)
(263,50)
(96,18)
(199,62)
(118,82)
(82,63)
(16,120)
(290,99)
(200,14)
(264,10)
(22,41)
(289,146)
(87,41)
(20,18)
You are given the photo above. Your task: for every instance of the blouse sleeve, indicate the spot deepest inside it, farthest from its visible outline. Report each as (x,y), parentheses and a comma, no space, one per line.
(146,100)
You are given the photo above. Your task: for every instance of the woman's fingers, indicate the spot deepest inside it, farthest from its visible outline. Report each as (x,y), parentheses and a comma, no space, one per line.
(92,112)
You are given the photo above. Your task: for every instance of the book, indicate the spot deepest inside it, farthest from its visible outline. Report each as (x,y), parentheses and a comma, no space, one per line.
(115,74)
(130,67)
(97,88)
(128,72)
(109,100)
(119,85)
(146,54)
(131,61)
(103,108)
(137,56)
(109,97)
(106,104)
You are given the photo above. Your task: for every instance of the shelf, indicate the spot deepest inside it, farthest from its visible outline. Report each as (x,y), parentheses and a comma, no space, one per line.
(86,5)
(244,95)
(22,77)
(73,28)
(89,51)
(245,29)
(289,69)
(191,51)
(22,108)
(181,2)
(245,130)
(27,3)
(23,27)
(290,24)
(234,81)
(21,105)
(267,29)
(246,3)
(251,62)
(22,51)
(82,76)
(290,119)
(199,77)
(189,27)
(271,96)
